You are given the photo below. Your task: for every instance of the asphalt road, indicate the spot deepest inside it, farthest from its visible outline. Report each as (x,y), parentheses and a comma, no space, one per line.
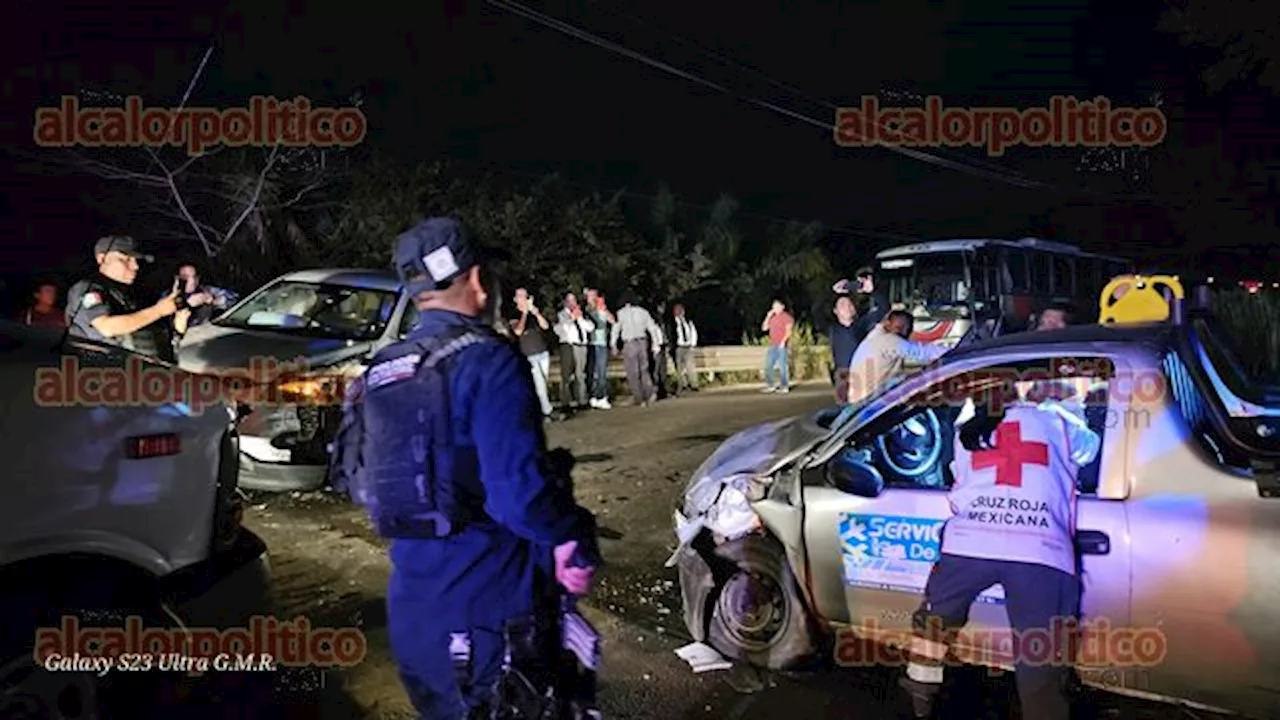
(633,464)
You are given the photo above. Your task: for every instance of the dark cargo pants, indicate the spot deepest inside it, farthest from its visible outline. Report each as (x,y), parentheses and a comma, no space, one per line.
(1043,604)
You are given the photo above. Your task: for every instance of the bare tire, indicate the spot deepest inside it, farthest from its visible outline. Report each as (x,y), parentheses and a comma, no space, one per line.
(758,615)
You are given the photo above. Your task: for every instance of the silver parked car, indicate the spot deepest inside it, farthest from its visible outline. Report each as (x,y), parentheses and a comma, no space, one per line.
(298,340)
(829,523)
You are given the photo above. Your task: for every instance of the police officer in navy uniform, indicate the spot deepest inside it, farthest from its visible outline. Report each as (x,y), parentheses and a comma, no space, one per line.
(103,308)
(442,443)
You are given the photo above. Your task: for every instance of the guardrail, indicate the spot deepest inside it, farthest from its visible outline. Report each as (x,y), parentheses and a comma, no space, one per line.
(710,360)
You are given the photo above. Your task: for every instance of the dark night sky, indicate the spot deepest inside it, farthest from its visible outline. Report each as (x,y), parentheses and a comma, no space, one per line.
(479,84)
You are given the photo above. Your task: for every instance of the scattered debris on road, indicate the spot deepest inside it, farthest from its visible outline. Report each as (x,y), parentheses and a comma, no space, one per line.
(703,658)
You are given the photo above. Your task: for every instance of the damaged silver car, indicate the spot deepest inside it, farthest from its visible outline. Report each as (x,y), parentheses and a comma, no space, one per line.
(824,526)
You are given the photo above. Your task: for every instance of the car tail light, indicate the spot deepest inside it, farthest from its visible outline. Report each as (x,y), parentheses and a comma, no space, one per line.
(149,446)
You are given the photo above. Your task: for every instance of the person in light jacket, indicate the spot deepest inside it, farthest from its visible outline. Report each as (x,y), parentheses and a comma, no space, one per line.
(882,354)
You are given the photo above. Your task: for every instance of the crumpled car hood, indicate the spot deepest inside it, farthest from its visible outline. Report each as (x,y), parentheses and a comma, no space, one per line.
(756,451)
(220,351)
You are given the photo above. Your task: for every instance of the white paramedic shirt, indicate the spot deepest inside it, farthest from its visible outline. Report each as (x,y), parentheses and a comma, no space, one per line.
(1017,500)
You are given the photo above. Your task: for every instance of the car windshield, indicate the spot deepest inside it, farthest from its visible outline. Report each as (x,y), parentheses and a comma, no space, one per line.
(929,284)
(337,311)
(847,412)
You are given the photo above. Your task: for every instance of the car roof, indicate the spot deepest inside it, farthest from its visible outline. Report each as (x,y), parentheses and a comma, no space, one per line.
(1068,340)
(353,277)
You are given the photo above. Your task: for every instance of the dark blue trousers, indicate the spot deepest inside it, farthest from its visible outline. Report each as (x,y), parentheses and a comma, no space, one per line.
(598,364)
(459,592)
(1040,601)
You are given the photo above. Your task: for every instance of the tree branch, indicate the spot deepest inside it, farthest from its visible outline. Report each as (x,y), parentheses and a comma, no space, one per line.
(177,196)
(257,193)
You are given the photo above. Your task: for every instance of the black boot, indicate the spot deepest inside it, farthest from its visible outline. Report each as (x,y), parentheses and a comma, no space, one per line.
(918,699)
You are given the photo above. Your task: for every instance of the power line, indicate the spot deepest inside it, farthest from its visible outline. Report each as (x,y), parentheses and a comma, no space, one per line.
(573,31)
(786,87)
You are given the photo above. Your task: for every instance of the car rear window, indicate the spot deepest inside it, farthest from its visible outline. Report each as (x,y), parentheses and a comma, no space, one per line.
(1192,405)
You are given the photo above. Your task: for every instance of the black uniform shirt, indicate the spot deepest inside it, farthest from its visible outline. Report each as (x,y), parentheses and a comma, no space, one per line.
(99,297)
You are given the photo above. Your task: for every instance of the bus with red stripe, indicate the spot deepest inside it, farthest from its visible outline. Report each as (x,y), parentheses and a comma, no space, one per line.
(1003,284)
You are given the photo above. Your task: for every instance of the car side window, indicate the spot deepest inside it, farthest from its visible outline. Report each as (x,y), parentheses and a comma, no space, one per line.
(408,319)
(912,447)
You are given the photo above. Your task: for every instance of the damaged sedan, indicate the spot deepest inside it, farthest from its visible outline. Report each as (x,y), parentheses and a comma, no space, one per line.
(824,526)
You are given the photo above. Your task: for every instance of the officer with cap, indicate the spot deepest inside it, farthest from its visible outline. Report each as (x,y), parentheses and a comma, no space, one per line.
(102,308)
(442,443)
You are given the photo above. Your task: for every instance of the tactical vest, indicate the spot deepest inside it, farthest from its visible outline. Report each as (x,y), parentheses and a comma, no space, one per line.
(152,340)
(395,453)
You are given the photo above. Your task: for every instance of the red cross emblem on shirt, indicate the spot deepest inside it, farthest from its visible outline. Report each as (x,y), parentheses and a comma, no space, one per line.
(1010,454)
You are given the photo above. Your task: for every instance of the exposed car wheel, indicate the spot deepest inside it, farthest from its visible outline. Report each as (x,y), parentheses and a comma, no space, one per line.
(29,692)
(758,615)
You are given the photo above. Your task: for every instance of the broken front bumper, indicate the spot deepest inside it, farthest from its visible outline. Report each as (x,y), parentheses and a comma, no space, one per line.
(285,447)
(696,584)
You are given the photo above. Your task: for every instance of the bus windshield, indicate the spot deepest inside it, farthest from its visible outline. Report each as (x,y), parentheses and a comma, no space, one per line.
(934,282)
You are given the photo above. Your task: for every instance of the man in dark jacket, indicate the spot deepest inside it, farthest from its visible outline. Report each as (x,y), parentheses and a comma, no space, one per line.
(844,341)
(877,300)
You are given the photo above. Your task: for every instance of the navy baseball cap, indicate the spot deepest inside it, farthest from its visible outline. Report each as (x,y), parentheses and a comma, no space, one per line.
(122,244)
(440,249)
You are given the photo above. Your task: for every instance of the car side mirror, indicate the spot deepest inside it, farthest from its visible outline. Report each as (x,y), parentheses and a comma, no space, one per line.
(852,472)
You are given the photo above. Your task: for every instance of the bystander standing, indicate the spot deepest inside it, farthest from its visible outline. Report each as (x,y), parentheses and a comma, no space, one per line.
(530,327)
(44,310)
(686,339)
(598,352)
(844,341)
(573,329)
(779,325)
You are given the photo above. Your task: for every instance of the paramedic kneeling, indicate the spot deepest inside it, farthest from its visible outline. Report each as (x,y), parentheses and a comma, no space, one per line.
(443,445)
(1014,501)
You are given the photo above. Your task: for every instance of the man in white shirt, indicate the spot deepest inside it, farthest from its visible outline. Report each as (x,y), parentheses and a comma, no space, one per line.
(573,329)
(882,354)
(637,332)
(686,334)
(1013,524)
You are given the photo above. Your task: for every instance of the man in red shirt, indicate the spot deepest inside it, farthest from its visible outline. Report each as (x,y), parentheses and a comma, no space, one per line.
(44,310)
(779,324)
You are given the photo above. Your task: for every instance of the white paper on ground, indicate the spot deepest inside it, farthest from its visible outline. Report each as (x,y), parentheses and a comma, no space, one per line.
(703,658)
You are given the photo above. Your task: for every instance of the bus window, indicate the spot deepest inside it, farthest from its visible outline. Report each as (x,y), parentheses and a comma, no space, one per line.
(1088,277)
(1016,267)
(984,268)
(1040,272)
(1063,277)
(930,279)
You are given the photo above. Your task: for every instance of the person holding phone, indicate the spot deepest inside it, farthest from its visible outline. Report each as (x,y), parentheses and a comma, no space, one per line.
(205,301)
(103,307)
